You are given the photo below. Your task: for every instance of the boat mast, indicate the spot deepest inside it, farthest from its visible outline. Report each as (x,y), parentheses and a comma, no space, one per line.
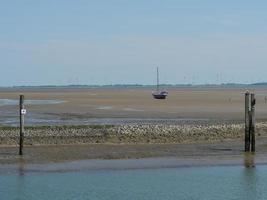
(157,79)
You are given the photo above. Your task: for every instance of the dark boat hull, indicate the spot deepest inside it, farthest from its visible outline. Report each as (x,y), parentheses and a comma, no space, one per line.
(159,96)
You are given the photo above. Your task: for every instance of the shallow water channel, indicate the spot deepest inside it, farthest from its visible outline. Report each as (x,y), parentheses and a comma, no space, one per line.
(216,182)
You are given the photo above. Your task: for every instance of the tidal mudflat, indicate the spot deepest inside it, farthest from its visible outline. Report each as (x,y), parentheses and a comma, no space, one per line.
(195,123)
(117,106)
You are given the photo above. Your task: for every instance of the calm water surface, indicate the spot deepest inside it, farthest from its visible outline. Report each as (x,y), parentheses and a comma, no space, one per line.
(15,102)
(235,182)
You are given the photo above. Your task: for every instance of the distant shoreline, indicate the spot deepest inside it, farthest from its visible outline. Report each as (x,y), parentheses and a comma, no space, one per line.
(222,85)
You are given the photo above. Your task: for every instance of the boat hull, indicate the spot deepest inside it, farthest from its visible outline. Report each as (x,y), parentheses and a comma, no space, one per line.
(159,96)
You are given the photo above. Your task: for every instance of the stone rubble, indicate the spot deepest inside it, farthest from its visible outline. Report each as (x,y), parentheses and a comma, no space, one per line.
(137,133)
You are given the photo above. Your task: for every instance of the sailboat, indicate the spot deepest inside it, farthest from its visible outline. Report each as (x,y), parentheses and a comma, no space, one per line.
(159,94)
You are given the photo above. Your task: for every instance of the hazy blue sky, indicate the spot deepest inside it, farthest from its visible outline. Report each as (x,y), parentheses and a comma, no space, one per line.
(123,41)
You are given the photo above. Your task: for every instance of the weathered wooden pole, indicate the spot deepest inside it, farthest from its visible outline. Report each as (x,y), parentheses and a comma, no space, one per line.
(21,114)
(247,123)
(252,121)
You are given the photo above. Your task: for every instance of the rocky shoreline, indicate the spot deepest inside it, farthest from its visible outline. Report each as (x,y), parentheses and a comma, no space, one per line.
(127,134)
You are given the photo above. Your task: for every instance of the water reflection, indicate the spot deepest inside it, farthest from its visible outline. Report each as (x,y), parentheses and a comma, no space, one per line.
(21,167)
(21,180)
(250,180)
(249,160)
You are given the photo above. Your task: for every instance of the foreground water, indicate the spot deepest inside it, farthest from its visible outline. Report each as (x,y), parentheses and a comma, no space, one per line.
(234,182)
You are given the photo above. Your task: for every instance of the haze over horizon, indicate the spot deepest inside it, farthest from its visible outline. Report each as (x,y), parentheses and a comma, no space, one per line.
(122,42)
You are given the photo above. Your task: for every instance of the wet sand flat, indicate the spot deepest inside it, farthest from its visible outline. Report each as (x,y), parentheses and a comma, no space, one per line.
(138,156)
(182,103)
(61,153)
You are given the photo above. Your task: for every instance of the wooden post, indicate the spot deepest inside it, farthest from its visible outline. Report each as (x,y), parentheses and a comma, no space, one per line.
(247,123)
(21,134)
(252,121)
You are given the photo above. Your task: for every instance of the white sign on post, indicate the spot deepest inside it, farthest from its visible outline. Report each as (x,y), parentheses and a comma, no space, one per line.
(23,111)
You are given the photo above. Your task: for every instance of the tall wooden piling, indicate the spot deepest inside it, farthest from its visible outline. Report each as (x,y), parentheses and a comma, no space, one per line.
(252,121)
(250,103)
(21,114)
(247,123)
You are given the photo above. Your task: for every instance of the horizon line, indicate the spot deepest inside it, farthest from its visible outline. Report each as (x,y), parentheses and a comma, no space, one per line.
(137,85)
